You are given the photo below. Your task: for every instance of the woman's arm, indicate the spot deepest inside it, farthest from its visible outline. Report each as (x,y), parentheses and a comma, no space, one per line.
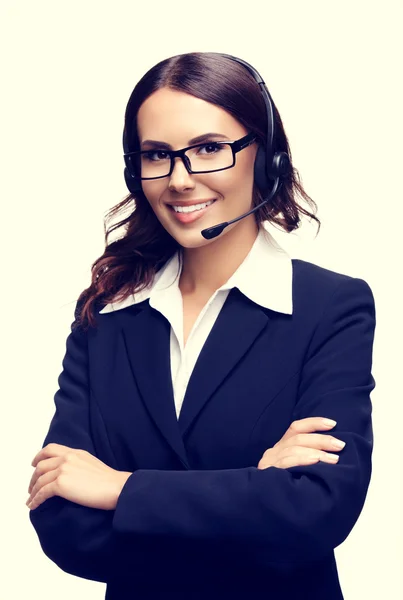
(295,514)
(275,515)
(79,539)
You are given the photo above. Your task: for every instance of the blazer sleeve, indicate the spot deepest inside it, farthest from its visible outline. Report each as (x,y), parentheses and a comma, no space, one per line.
(273,515)
(280,515)
(79,539)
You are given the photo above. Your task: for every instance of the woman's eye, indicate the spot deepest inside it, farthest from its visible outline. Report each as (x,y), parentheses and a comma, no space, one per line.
(155,155)
(210,148)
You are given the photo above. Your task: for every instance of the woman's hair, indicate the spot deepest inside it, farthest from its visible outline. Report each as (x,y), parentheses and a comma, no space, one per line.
(129,263)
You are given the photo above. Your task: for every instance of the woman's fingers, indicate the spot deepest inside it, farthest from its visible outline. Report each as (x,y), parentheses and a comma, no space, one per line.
(300,446)
(305,456)
(43,466)
(308,425)
(295,456)
(44,488)
(314,440)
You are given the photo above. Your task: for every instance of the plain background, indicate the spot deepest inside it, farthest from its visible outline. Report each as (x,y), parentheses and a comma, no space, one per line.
(67,74)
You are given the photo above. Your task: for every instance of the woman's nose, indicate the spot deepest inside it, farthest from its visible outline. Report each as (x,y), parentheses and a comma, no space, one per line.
(180,178)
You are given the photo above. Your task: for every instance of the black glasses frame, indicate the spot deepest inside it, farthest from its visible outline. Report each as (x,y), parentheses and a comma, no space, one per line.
(236,146)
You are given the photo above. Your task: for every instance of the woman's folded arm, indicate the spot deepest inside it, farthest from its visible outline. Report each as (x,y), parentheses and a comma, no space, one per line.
(294,514)
(272,515)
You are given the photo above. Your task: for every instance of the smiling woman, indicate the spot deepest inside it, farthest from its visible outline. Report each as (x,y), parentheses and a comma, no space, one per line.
(178,115)
(187,100)
(202,364)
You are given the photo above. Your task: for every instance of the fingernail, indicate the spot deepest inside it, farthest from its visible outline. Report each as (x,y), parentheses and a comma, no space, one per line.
(334,457)
(338,444)
(329,422)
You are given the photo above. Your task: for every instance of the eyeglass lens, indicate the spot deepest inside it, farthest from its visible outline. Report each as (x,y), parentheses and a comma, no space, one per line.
(209,157)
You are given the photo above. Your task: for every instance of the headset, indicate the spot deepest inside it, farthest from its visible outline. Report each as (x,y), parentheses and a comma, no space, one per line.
(269,165)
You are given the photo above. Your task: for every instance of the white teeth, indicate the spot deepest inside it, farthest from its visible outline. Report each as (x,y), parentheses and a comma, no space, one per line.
(187,209)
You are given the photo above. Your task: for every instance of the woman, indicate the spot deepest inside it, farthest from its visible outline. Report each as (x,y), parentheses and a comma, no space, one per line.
(191,453)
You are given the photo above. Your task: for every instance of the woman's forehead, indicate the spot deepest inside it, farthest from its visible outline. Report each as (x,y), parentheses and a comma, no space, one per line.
(173,116)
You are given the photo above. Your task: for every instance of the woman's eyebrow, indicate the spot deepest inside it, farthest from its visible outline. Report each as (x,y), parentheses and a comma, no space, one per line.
(196,140)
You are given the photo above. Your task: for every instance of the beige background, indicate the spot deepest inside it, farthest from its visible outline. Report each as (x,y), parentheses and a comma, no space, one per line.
(68,71)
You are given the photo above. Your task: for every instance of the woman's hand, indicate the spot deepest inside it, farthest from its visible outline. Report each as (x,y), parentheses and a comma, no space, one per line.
(299,446)
(75,475)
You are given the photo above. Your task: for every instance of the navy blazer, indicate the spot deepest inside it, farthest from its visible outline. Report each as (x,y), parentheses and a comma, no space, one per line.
(197,518)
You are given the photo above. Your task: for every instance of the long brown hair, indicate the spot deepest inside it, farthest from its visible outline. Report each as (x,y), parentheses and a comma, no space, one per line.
(129,263)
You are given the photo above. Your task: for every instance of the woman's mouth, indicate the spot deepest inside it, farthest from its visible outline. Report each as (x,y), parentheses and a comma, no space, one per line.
(188,214)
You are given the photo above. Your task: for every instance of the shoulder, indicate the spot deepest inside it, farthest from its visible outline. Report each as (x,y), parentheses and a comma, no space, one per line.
(313,273)
(316,287)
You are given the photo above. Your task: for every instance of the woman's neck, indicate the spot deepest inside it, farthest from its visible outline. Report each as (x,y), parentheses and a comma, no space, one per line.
(207,268)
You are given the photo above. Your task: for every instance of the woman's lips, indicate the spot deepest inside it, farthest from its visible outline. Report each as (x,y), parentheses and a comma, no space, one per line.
(189,217)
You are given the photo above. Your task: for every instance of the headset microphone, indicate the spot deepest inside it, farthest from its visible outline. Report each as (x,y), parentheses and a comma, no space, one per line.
(212,232)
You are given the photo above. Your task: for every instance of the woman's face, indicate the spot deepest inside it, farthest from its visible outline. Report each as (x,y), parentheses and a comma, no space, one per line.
(175,118)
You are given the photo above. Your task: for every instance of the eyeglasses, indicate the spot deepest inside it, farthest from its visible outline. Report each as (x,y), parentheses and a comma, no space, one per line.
(199,158)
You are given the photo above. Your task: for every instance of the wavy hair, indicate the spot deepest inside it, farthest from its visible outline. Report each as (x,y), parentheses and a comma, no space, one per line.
(129,263)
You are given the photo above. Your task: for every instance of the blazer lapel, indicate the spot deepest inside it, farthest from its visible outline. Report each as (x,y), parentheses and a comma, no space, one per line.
(147,337)
(235,330)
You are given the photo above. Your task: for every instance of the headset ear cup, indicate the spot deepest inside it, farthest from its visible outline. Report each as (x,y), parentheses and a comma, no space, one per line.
(260,175)
(133,185)
(281,165)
